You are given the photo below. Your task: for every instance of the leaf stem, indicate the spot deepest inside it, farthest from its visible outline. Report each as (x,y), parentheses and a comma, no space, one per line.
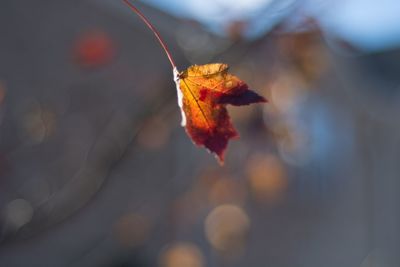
(154,30)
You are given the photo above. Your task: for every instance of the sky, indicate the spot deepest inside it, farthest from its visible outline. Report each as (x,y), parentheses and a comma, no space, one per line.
(367,24)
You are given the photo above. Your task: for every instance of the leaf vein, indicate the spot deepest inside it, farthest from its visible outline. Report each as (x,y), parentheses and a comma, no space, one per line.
(198,104)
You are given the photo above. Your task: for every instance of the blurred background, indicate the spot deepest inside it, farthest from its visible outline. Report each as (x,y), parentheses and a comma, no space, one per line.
(95,169)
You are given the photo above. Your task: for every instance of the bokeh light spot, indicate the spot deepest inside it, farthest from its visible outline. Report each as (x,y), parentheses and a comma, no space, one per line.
(267,177)
(2,92)
(18,213)
(226,190)
(226,228)
(94,48)
(38,124)
(154,133)
(182,254)
(131,230)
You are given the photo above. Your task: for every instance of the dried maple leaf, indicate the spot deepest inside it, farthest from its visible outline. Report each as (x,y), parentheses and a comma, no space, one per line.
(203,92)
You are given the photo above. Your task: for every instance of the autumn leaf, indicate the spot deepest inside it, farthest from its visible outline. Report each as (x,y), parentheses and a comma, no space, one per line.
(203,93)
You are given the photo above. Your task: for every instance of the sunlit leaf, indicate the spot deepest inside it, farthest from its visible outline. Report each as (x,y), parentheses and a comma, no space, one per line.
(203,93)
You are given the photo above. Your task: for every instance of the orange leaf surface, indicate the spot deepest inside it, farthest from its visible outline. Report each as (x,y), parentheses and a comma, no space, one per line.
(203,93)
